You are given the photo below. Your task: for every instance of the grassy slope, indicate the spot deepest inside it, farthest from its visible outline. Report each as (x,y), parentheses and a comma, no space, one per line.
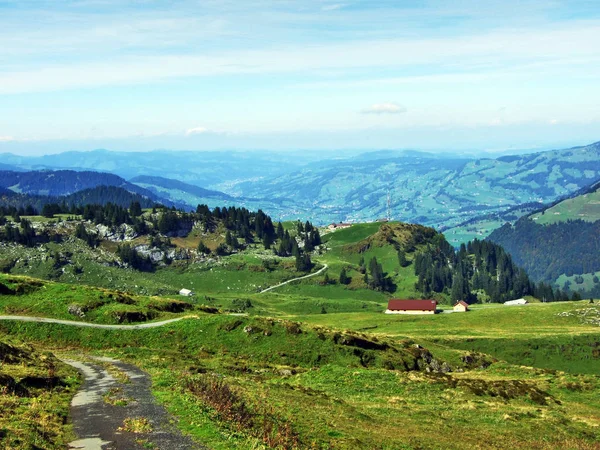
(585,207)
(344,396)
(47,299)
(333,400)
(36,390)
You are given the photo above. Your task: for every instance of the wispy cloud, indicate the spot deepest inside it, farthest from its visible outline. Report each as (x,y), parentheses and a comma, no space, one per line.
(332,7)
(196,130)
(384,108)
(238,65)
(498,50)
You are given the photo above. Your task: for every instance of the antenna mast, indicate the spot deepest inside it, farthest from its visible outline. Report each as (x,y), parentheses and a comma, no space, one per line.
(389,206)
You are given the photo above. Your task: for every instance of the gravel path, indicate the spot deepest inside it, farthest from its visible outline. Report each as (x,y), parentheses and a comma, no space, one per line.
(97,422)
(94,325)
(294,279)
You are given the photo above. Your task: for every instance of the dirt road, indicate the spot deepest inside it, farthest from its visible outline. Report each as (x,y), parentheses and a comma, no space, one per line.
(94,325)
(96,421)
(296,279)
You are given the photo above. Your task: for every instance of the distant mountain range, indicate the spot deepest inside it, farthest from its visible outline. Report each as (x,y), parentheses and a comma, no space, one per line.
(205,169)
(436,190)
(432,191)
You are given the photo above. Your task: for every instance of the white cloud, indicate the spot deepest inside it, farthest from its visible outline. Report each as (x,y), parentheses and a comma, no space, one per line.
(384,108)
(553,121)
(497,51)
(7,139)
(196,130)
(332,7)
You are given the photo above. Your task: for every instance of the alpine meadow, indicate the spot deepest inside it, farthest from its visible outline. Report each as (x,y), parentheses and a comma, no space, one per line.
(299,225)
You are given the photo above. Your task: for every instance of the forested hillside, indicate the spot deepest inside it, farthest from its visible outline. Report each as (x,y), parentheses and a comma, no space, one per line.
(14,202)
(480,271)
(559,243)
(548,251)
(63,182)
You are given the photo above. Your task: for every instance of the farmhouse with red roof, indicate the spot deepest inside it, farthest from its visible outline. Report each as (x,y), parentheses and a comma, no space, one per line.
(397,306)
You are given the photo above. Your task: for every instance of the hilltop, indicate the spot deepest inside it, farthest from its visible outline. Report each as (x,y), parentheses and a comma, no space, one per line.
(238,251)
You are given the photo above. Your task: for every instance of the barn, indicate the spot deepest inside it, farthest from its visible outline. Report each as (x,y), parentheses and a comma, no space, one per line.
(461,306)
(397,306)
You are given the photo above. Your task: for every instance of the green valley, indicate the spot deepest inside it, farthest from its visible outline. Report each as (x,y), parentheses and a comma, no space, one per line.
(310,364)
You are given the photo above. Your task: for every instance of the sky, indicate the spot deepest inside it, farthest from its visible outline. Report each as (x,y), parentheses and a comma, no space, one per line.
(307,74)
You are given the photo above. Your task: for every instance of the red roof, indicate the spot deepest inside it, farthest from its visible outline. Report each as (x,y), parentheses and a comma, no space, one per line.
(412,305)
(461,302)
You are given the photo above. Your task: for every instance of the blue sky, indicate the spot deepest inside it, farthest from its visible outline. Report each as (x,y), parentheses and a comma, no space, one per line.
(254,74)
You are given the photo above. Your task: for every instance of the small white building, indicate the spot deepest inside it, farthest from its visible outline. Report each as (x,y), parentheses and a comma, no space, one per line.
(519,301)
(338,226)
(186,292)
(461,306)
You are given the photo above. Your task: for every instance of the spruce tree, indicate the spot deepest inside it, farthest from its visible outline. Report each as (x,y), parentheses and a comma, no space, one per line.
(402,259)
(344,279)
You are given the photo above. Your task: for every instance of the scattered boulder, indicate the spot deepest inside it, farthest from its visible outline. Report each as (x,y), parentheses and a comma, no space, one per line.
(230,326)
(132,316)
(77,310)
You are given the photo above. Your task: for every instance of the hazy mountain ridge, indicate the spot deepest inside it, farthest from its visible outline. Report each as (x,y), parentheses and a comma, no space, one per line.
(63,182)
(436,190)
(206,169)
(439,192)
(153,182)
(100,195)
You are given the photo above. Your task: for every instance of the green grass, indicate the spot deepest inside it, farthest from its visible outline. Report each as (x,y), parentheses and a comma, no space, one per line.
(331,399)
(36,391)
(536,334)
(350,235)
(588,281)
(323,359)
(35,297)
(585,207)
(56,218)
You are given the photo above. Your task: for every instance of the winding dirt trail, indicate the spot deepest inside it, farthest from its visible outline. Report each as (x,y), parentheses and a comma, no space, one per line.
(325,267)
(95,325)
(97,422)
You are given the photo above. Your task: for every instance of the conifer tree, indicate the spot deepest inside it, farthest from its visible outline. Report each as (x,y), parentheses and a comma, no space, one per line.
(344,279)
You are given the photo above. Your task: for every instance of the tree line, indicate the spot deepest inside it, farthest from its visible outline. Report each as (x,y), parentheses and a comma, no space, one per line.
(480,270)
(548,251)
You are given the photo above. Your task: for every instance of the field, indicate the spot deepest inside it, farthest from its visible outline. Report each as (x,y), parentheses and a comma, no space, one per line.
(314,363)
(584,207)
